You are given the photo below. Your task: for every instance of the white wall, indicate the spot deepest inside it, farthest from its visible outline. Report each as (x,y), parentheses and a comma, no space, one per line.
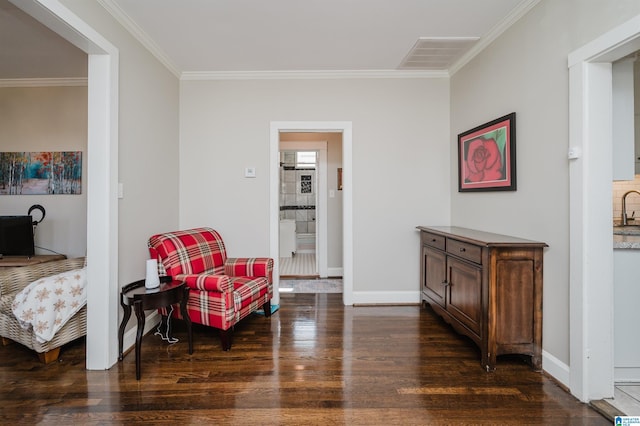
(400,137)
(525,70)
(148,143)
(48,119)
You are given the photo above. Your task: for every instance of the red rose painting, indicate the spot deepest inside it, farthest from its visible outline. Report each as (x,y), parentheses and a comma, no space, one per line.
(487,156)
(483,161)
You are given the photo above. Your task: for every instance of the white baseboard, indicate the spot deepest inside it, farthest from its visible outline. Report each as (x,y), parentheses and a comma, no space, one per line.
(555,368)
(626,374)
(334,272)
(150,322)
(386,297)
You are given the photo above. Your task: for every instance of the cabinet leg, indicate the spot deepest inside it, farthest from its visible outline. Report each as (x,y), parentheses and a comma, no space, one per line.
(488,361)
(536,363)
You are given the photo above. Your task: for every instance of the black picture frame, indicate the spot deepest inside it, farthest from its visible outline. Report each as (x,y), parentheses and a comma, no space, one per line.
(487,156)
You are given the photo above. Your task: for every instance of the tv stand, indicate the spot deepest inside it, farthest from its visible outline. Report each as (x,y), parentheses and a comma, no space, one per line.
(17,261)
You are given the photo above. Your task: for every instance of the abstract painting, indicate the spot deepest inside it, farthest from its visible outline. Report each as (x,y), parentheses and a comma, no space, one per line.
(40,173)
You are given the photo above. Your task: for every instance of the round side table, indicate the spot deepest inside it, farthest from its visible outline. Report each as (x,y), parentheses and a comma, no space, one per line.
(137,295)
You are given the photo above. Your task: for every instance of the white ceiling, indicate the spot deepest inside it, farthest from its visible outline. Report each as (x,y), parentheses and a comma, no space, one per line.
(225,36)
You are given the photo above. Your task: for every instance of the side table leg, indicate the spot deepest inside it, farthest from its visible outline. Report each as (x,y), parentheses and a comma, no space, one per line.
(123,324)
(140,315)
(185,316)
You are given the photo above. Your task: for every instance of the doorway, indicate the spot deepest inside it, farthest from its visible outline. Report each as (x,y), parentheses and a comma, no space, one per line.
(277,132)
(102,147)
(302,206)
(590,175)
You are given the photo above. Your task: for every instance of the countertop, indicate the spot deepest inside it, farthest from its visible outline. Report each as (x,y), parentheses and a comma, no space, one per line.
(626,237)
(481,237)
(626,241)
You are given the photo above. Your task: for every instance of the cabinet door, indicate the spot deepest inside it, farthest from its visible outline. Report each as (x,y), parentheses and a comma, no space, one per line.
(435,274)
(465,293)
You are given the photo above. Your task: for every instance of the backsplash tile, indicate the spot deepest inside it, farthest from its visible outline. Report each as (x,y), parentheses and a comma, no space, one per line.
(633,200)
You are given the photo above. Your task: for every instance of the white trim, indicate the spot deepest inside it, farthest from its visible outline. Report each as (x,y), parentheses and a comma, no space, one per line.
(139,34)
(386,297)
(334,272)
(102,212)
(502,26)
(627,374)
(309,75)
(102,141)
(590,182)
(555,368)
(276,127)
(611,46)
(44,82)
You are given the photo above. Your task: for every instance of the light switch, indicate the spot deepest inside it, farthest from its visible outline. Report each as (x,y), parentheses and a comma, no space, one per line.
(120,190)
(250,172)
(332,193)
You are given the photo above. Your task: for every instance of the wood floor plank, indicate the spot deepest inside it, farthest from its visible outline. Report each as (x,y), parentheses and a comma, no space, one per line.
(313,362)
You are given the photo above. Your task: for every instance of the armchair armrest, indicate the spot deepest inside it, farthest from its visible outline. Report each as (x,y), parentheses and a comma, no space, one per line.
(206,282)
(249,267)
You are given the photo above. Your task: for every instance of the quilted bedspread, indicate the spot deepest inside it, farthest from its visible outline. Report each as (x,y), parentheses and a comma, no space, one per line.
(48,303)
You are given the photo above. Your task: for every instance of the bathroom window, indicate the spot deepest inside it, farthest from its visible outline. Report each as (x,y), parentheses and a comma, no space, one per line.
(306,159)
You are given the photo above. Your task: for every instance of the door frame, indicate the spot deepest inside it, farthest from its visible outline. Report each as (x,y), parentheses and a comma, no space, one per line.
(344,127)
(591,363)
(102,175)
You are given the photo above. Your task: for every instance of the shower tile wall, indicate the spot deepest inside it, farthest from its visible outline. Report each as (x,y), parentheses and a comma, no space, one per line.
(294,204)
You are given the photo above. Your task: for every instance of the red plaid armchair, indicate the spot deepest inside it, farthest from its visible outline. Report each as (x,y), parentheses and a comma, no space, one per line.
(222,290)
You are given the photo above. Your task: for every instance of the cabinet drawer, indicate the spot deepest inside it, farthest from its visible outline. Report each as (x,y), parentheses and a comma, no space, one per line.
(465,250)
(433,240)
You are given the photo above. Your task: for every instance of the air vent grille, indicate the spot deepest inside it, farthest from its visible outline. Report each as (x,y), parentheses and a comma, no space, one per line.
(436,53)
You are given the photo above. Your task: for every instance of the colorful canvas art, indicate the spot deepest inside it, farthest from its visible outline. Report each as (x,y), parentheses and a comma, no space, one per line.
(40,173)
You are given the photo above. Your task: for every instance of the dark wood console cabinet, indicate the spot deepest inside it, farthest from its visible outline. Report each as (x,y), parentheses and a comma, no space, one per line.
(487,286)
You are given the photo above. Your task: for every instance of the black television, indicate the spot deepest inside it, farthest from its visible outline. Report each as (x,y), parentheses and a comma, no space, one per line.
(16,236)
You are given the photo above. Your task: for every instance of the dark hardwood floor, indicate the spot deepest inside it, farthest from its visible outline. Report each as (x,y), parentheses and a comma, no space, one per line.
(314,362)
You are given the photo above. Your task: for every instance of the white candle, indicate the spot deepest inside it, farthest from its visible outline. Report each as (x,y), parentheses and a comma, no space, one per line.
(152,280)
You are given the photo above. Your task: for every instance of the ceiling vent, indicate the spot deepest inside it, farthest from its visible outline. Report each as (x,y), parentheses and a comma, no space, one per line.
(436,53)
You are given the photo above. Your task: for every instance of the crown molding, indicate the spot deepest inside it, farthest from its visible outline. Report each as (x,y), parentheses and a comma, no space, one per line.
(522,9)
(309,75)
(137,32)
(43,82)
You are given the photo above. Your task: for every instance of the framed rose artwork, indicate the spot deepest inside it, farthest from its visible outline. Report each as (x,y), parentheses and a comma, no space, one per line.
(487,156)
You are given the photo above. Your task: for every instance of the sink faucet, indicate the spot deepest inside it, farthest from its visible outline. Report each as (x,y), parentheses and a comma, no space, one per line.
(624,205)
